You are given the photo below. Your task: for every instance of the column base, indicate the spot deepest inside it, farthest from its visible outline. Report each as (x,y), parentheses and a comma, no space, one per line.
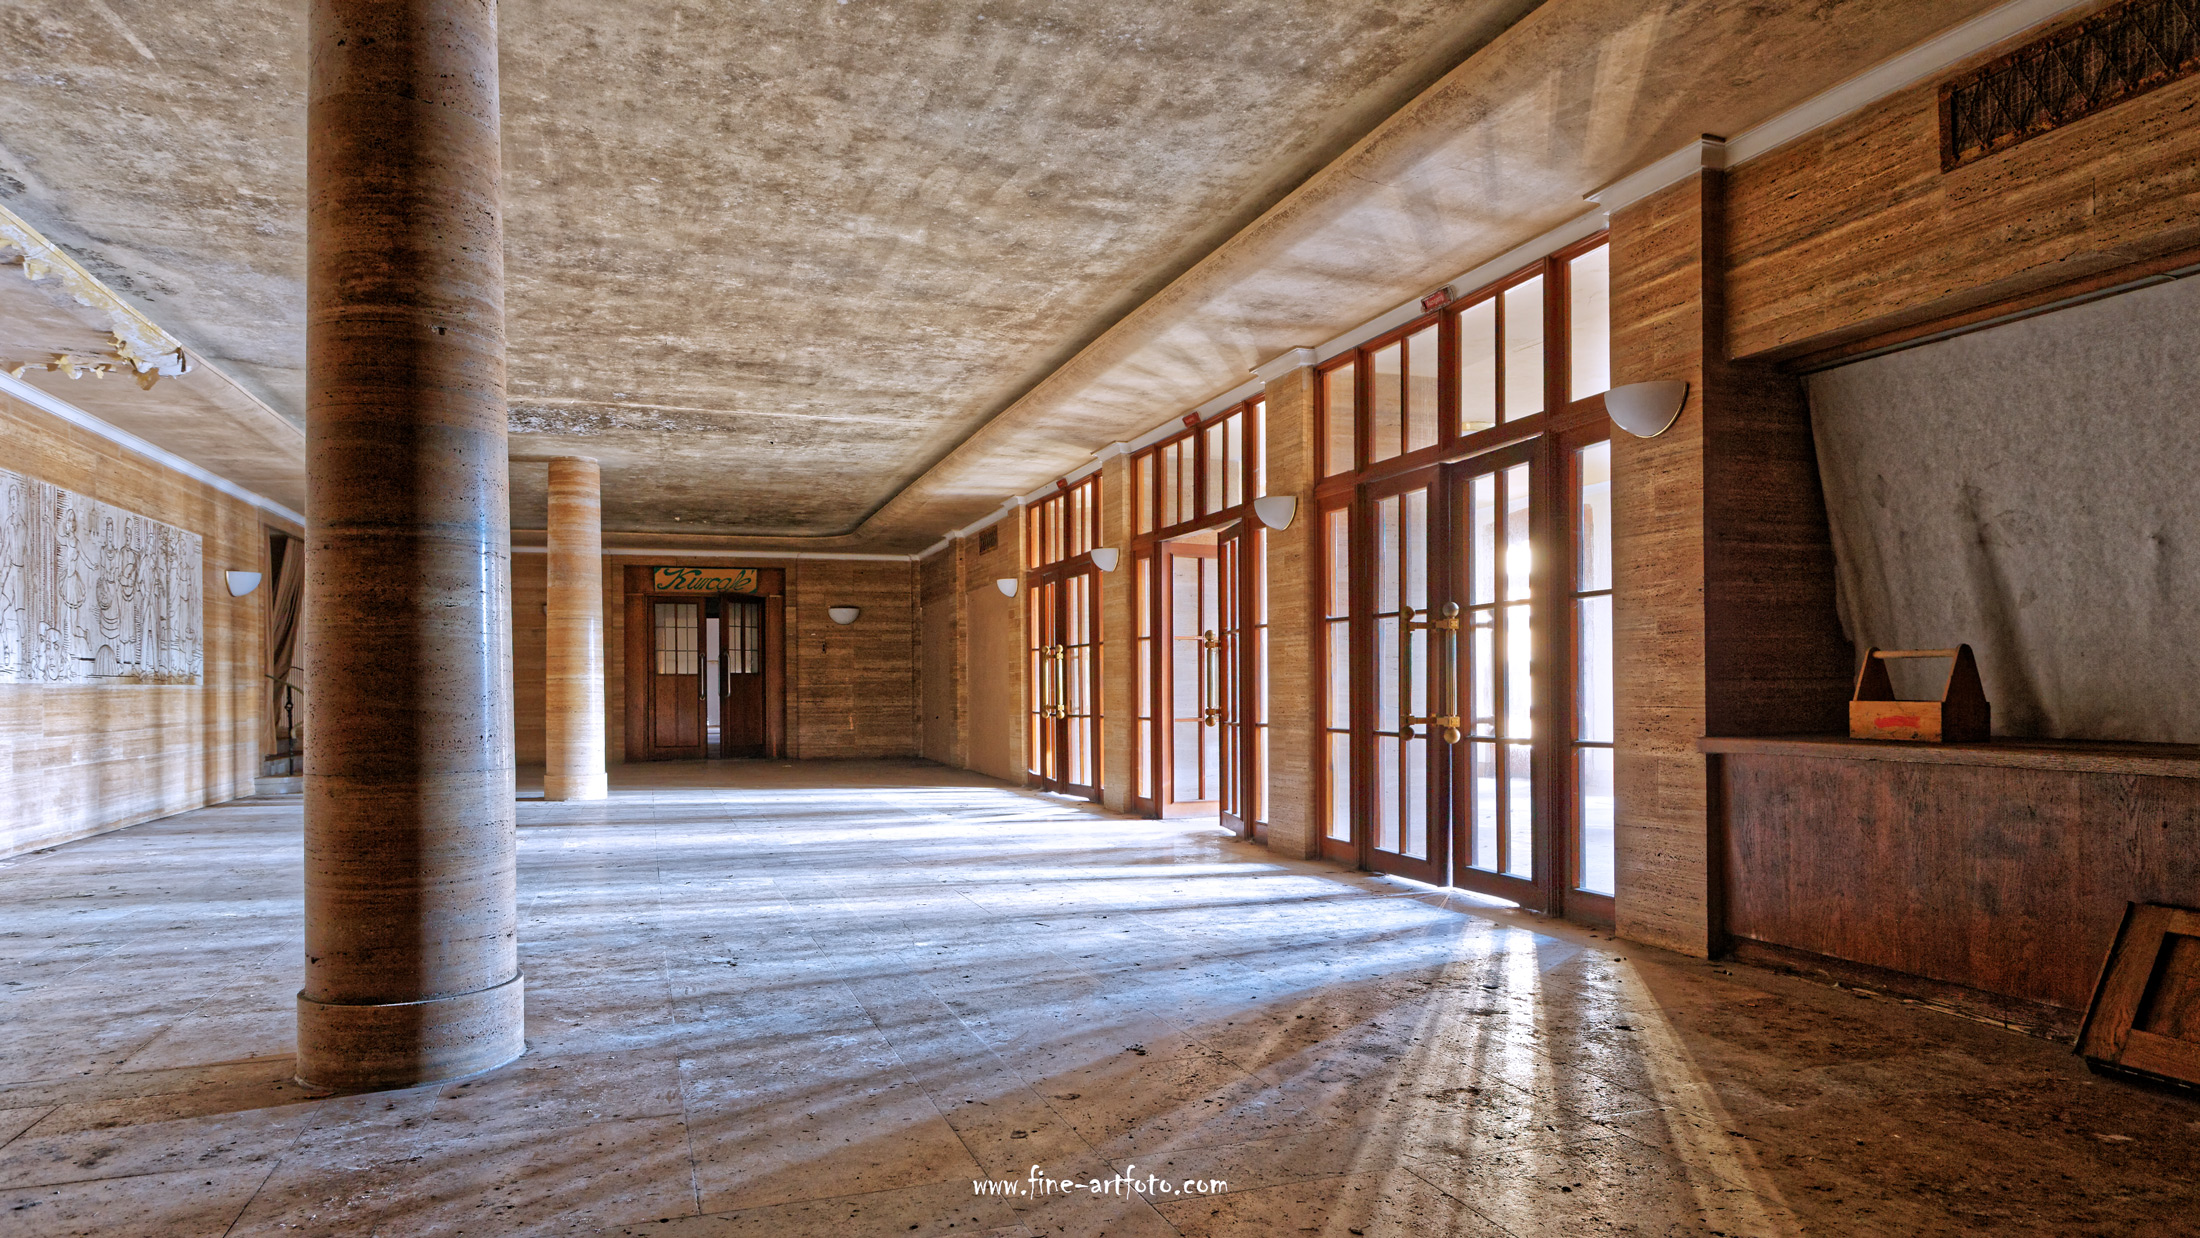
(402,1044)
(594,786)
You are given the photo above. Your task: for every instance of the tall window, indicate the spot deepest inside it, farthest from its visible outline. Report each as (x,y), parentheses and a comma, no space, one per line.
(1336,660)
(1592,607)
(1465,626)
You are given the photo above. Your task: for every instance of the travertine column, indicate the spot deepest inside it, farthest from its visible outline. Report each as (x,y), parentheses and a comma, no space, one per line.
(410,904)
(1294,734)
(573,696)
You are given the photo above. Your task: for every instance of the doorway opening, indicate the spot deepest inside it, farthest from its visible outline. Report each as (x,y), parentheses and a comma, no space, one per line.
(704,663)
(1200,610)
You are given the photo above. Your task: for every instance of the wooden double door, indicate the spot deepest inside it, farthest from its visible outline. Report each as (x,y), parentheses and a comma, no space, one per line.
(1456,657)
(1064,669)
(703,676)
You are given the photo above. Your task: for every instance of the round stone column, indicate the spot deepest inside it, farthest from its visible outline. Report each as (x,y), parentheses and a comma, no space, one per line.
(411,916)
(573,696)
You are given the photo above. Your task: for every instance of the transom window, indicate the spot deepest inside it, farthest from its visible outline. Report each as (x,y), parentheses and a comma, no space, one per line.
(1064,524)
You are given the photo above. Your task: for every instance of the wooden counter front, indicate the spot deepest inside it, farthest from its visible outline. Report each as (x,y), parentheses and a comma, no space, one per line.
(2003,866)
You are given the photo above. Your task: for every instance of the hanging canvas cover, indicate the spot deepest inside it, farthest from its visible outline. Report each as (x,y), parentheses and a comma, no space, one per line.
(92,593)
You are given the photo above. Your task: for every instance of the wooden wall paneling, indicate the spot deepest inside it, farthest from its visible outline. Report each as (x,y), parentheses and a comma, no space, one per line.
(1853,236)
(2003,879)
(634,727)
(530,657)
(775,672)
(853,689)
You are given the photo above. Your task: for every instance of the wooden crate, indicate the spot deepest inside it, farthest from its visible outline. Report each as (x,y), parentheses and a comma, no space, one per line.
(1960,716)
(2145,1014)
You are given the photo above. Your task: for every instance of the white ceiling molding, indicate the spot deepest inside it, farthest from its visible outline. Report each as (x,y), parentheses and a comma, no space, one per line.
(1705,152)
(123,438)
(1290,362)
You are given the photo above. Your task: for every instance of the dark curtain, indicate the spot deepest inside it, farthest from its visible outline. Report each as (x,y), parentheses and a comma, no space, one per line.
(287,557)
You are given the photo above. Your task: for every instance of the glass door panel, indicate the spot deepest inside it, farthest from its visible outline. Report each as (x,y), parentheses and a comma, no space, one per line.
(1500,849)
(1193,763)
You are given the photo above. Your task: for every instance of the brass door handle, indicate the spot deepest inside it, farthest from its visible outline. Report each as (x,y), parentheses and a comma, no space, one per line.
(1445,725)
(1210,675)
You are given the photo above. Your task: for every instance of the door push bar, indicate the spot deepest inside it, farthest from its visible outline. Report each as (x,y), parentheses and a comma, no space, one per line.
(1443,726)
(1210,677)
(1054,681)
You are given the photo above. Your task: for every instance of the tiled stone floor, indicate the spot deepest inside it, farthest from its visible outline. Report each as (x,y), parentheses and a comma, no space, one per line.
(822,999)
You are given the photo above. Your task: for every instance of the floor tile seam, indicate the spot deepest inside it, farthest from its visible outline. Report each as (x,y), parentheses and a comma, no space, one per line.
(679,1088)
(1467,1204)
(274,1164)
(934,1100)
(50,1111)
(273,1157)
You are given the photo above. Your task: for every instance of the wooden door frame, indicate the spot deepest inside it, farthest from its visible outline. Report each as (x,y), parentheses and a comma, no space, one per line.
(640,694)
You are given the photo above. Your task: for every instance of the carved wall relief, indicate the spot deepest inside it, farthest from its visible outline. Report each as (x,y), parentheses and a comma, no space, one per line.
(90,592)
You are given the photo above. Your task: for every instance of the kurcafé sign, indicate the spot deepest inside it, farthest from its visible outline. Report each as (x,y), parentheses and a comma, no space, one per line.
(706,580)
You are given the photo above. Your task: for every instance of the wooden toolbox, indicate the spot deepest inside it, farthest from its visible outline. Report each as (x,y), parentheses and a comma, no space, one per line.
(1960,716)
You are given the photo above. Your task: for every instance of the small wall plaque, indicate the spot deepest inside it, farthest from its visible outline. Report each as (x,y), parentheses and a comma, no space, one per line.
(704,579)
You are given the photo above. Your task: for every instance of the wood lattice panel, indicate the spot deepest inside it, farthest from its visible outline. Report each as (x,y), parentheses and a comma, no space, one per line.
(2067,76)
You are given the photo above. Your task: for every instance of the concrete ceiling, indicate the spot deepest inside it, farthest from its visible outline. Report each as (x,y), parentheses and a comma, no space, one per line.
(842,274)
(768,261)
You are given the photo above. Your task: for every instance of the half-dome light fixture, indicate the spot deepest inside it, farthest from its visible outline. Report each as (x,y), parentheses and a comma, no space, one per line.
(1276,510)
(1646,410)
(843,615)
(241,583)
(1106,557)
(1007,586)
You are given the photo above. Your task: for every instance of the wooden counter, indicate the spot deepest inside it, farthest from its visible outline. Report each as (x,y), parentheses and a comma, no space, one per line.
(2001,867)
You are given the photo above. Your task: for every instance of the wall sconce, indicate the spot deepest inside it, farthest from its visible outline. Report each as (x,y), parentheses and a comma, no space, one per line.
(1106,557)
(1646,410)
(1007,586)
(241,583)
(843,615)
(1276,510)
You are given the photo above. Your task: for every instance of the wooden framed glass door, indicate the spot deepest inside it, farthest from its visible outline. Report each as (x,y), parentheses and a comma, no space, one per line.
(1240,679)
(1191,766)
(1501,842)
(1408,755)
(1454,763)
(742,731)
(1064,665)
(677,682)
